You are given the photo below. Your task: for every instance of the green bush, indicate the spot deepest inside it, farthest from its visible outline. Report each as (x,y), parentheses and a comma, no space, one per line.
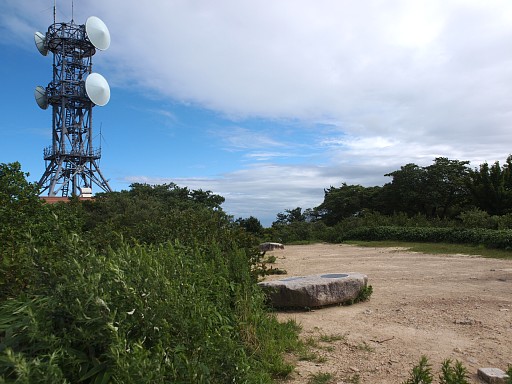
(421,373)
(501,239)
(450,374)
(142,314)
(151,285)
(477,218)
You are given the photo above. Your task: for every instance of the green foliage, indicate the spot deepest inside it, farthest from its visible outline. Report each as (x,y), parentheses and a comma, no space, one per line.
(151,285)
(364,294)
(450,373)
(251,225)
(298,232)
(509,373)
(438,248)
(456,374)
(331,338)
(290,216)
(22,215)
(155,214)
(491,187)
(421,373)
(476,218)
(441,190)
(347,201)
(486,237)
(321,378)
(164,313)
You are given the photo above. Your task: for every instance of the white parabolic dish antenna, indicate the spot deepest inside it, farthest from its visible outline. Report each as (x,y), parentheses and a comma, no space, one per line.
(98,33)
(39,39)
(41,98)
(97,89)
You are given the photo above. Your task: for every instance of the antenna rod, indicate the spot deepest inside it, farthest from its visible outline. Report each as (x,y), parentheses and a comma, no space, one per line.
(54,11)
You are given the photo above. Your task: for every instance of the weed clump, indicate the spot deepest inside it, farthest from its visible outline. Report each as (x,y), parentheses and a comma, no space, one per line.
(451,373)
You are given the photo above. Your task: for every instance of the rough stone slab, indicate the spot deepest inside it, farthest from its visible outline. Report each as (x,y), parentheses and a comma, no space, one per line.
(264,247)
(492,375)
(314,290)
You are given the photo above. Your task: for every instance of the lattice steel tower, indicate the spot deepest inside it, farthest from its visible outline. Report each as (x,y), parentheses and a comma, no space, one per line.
(72,162)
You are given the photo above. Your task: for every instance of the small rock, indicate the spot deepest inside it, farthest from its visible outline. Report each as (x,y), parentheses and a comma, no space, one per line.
(354,369)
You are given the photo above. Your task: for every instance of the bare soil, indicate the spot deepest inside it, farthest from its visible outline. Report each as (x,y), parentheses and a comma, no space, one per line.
(455,307)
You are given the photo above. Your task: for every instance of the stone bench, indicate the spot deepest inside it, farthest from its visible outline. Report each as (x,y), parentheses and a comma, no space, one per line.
(314,290)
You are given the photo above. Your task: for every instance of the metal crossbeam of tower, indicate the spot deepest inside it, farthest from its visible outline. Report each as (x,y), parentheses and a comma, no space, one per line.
(72,162)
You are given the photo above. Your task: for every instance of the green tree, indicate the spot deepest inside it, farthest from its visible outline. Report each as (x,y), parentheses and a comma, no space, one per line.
(405,193)
(19,205)
(491,187)
(289,216)
(22,218)
(438,190)
(346,201)
(446,187)
(251,225)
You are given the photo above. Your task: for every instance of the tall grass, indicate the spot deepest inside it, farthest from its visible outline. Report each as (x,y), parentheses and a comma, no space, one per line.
(141,314)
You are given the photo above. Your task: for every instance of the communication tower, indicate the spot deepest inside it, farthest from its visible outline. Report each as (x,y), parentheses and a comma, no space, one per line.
(72,162)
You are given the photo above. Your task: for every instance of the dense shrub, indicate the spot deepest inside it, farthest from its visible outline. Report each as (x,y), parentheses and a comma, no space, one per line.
(477,218)
(164,313)
(451,373)
(151,285)
(490,238)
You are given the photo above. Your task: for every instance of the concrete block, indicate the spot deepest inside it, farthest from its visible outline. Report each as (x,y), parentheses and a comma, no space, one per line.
(492,375)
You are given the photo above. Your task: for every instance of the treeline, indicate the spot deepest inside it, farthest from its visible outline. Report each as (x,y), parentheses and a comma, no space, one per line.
(445,194)
(151,285)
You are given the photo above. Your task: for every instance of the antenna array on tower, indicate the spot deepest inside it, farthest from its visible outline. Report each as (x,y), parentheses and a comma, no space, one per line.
(71,160)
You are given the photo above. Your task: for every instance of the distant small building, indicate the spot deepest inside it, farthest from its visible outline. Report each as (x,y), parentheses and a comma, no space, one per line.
(62,199)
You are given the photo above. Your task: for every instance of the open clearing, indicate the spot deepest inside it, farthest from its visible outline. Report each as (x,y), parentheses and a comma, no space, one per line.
(441,306)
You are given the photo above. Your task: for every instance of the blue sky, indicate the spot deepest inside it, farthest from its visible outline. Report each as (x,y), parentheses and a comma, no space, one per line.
(269,102)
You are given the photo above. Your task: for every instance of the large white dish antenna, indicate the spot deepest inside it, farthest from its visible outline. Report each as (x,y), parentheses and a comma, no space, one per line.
(41,98)
(97,89)
(40,39)
(98,33)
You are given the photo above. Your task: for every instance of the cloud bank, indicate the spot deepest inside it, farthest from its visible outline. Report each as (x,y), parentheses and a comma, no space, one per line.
(365,86)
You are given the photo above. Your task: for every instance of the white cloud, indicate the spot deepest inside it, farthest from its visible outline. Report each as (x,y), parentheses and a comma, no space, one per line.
(238,138)
(260,190)
(397,82)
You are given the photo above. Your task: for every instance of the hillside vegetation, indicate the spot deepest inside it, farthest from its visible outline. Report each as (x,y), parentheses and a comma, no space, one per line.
(151,285)
(446,202)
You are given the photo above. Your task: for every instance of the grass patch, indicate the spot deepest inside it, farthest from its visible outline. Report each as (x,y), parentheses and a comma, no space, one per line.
(302,242)
(438,248)
(332,338)
(321,378)
(365,347)
(307,355)
(355,379)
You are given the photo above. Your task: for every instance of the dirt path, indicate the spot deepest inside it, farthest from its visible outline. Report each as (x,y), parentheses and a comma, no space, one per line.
(441,306)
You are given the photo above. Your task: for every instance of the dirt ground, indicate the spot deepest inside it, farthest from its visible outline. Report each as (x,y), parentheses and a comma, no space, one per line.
(441,306)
